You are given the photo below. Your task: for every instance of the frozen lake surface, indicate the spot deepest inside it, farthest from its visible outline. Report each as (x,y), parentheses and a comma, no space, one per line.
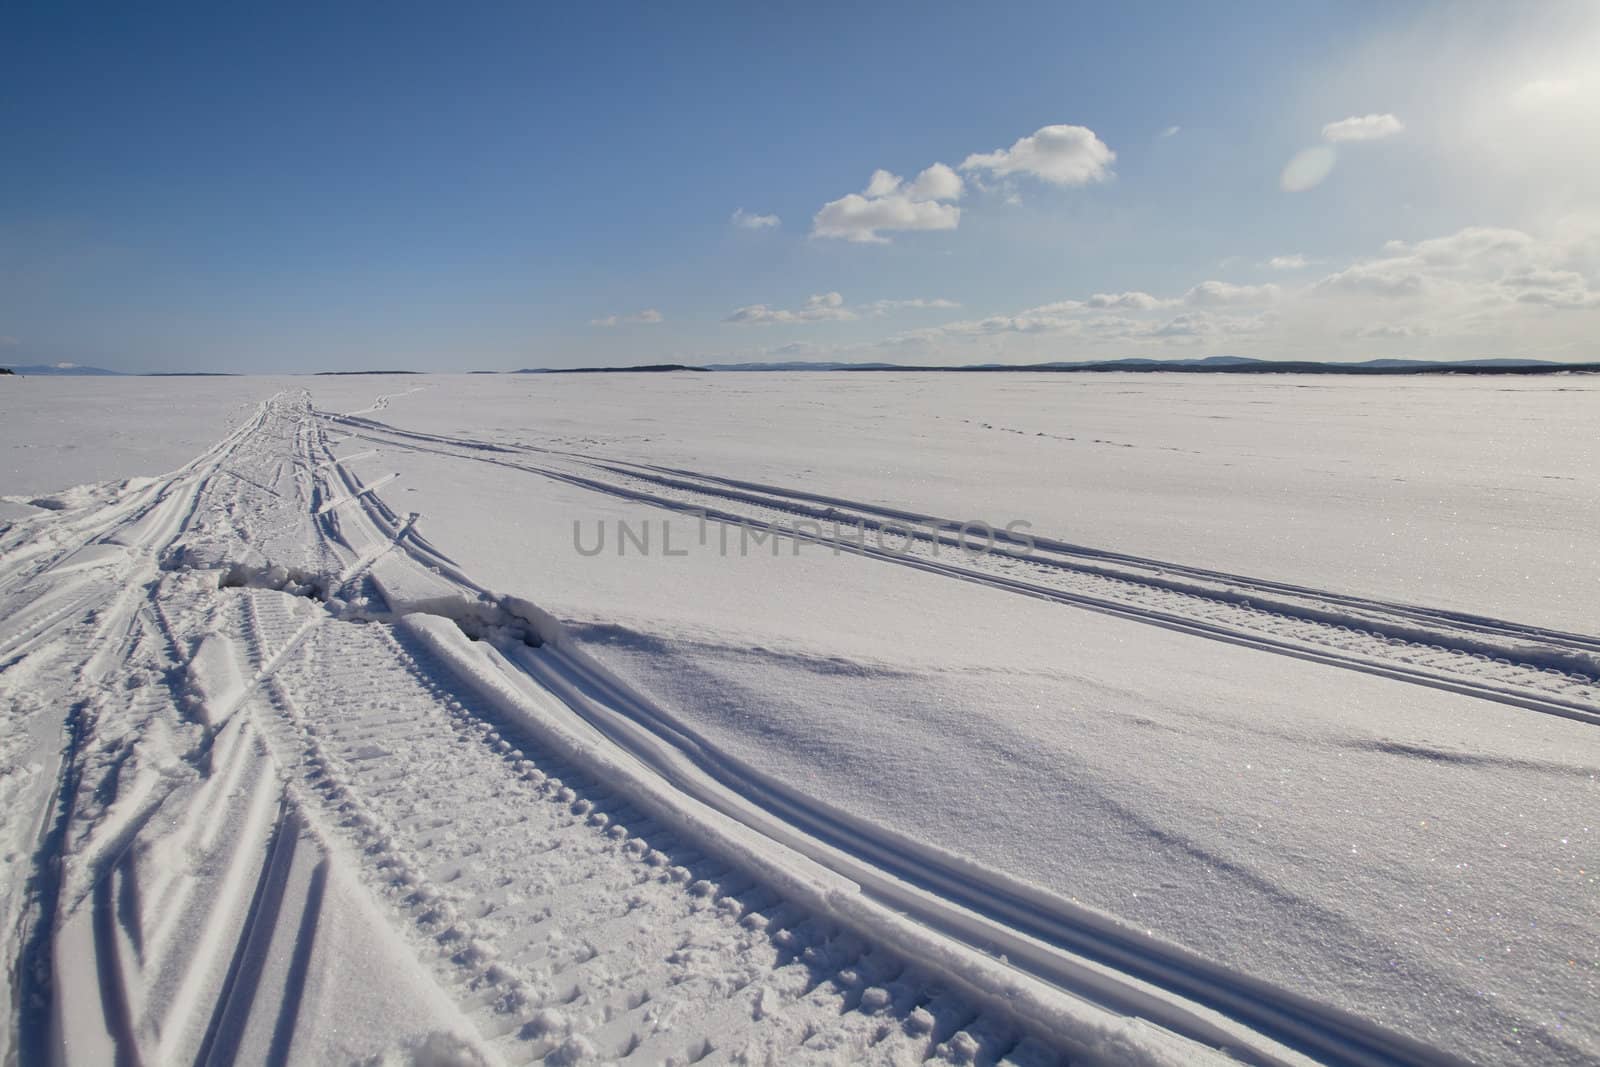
(1280,735)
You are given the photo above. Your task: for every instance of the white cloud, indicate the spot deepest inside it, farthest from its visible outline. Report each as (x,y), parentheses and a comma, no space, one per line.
(819,307)
(1473,246)
(884,307)
(1132,301)
(858,218)
(1290,262)
(1480,290)
(1172,131)
(1476,265)
(1073,318)
(1224,294)
(938,182)
(882,183)
(1388,331)
(1550,288)
(1363,128)
(888,203)
(1475,282)
(830,307)
(646,317)
(1062,155)
(1374,280)
(746,221)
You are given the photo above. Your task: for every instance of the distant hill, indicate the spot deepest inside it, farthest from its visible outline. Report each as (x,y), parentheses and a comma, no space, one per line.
(64,370)
(649,368)
(799,365)
(1207,365)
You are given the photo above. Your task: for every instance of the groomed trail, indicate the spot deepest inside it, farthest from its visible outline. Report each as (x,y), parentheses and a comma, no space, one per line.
(301,790)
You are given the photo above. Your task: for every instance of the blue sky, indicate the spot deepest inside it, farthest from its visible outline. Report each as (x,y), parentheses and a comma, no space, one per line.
(285,189)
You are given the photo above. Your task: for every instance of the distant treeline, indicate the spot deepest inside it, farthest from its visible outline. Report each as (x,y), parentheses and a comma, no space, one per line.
(1116,366)
(1271,367)
(647,368)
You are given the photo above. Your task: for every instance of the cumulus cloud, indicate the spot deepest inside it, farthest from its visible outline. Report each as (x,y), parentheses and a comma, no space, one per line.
(1194,326)
(1223,294)
(1388,331)
(1453,296)
(746,221)
(889,203)
(646,317)
(1478,264)
(938,182)
(883,183)
(819,307)
(1468,281)
(830,307)
(1061,155)
(884,307)
(1290,262)
(1311,166)
(1550,288)
(1132,301)
(1374,280)
(1077,319)
(858,218)
(1474,246)
(1363,128)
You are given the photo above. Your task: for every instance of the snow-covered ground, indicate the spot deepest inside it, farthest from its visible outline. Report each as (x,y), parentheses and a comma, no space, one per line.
(1272,729)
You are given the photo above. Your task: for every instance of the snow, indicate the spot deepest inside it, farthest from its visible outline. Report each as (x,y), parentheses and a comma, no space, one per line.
(67,431)
(325,739)
(1406,489)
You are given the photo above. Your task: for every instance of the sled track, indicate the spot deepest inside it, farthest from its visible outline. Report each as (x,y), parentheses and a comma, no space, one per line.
(1530,667)
(565,920)
(582,876)
(564,916)
(1063,946)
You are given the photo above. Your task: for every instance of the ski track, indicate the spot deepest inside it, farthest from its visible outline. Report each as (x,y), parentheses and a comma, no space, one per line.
(245,718)
(1530,667)
(239,689)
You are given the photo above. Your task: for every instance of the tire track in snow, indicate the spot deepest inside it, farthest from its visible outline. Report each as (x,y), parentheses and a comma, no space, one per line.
(1064,946)
(652,925)
(157,833)
(569,918)
(1529,667)
(985,1037)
